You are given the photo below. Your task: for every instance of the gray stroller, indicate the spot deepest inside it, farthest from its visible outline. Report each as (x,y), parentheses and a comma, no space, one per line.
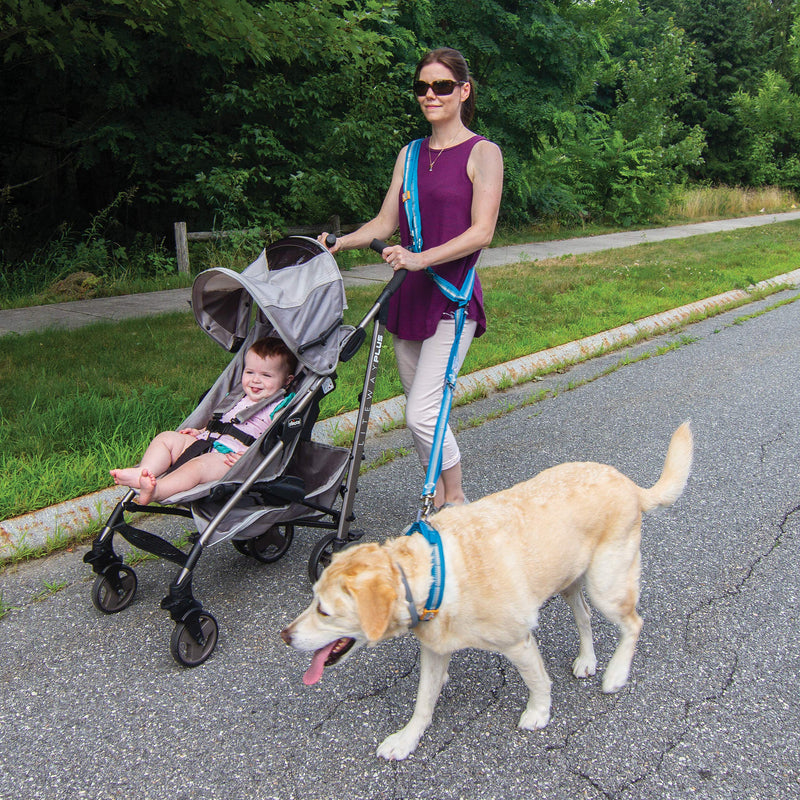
(294,291)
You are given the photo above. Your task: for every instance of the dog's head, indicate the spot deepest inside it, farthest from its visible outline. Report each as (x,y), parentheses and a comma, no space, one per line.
(356,602)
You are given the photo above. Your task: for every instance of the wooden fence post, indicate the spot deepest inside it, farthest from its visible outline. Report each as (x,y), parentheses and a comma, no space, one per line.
(182,247)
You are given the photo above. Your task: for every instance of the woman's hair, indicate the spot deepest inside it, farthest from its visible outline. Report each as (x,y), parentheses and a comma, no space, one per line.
(457,64)
(273,347)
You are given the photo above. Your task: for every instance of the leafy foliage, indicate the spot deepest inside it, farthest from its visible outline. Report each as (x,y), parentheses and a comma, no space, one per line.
(267,113)
(770,116)
(288,141)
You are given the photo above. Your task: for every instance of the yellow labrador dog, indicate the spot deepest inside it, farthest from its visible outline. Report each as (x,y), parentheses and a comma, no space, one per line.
(572,526)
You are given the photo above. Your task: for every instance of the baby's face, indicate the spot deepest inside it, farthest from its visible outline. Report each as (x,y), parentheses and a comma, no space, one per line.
(263,377)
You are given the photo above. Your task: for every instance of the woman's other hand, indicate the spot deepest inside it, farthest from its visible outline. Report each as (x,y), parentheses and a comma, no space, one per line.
(398,257)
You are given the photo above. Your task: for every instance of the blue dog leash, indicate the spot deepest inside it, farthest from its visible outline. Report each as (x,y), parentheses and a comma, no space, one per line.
(461,298)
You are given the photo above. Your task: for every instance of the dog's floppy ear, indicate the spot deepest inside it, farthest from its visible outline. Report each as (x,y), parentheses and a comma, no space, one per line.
(375,597)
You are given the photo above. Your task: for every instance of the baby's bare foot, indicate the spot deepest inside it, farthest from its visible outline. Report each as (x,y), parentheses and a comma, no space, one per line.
(126,477)
(147,486)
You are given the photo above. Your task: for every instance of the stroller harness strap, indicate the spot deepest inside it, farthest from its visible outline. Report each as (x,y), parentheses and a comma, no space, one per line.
(230,427)
(434,601)
(220,428)
(460,297)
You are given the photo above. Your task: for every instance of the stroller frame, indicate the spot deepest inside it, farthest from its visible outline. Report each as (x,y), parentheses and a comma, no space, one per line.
(196,631)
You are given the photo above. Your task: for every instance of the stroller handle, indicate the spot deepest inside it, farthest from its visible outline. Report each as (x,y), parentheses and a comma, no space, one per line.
(376,244)
(394,284)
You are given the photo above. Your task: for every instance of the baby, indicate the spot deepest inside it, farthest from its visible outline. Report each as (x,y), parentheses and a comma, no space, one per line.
(268,367)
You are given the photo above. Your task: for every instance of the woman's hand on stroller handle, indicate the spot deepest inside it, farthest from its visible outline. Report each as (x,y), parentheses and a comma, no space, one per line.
(330,242)
(378,246)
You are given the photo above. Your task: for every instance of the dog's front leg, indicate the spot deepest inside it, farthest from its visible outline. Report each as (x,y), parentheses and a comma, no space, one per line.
(526,657)
(432,675)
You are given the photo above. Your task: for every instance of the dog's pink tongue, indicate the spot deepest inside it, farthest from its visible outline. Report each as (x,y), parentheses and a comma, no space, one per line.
(314,672)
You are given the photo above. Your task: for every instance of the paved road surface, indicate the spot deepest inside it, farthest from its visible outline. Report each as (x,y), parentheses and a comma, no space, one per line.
(93,706)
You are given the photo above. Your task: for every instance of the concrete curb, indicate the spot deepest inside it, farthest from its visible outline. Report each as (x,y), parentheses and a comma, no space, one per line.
(40,528)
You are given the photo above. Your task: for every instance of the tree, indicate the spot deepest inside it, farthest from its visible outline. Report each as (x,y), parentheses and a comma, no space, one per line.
(187,101)
(770,117)
(624,157)
(93,96)
(313,132)
(731,52)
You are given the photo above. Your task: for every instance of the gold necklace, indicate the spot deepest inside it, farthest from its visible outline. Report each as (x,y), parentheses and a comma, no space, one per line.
(432,163)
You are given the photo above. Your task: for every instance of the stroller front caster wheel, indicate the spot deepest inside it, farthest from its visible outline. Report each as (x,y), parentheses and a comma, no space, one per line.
(194,638)
(271,545)
(321,556)
(114,589)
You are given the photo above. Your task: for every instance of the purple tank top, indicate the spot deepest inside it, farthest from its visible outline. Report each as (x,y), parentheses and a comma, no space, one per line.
(445,204)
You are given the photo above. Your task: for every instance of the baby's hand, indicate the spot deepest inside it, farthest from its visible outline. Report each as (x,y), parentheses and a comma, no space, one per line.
(191,432)
(231,458)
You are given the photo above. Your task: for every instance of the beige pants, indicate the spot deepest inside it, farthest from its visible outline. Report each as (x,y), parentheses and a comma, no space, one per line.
(422,367)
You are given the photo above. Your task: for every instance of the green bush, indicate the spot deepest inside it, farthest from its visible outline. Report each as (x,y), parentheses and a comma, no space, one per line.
(770,117)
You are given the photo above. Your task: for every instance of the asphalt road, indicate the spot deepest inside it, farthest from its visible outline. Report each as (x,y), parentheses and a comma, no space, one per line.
(94,706)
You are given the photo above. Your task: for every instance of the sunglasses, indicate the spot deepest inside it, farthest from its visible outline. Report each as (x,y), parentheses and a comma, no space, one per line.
(440,88)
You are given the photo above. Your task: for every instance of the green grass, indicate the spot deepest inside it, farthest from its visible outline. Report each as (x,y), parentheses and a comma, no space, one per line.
(75,403)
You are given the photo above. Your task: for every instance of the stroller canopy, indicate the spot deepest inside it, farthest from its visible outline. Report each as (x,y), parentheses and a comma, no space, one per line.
(294,284)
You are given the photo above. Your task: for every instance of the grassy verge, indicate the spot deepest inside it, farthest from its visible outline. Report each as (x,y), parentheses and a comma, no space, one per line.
(76,403)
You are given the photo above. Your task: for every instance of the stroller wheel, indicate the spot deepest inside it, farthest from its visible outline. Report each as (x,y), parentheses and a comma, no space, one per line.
(241,546)
(321,556)
(113,591)
(271,545)
(194,638)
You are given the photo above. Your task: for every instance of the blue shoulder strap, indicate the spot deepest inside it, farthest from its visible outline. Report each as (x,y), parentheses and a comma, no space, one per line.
(410,195)
(411,206)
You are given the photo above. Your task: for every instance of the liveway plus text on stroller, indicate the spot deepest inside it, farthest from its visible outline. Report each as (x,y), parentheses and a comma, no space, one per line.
(284,479)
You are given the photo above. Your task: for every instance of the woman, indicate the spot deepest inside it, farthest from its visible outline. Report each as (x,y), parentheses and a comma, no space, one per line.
(460,181)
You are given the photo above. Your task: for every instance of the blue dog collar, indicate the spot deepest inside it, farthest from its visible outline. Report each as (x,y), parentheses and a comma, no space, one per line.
(436,593)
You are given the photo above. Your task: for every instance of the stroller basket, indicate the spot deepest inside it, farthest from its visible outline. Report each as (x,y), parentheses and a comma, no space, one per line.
(294,291)
(318,470)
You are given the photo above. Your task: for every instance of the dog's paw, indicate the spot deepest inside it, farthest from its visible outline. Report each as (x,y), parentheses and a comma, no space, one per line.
(583,667)
(533,719)
(398,746)
(614,679)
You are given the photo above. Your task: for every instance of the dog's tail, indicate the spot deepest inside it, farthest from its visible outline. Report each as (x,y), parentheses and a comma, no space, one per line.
(675,473)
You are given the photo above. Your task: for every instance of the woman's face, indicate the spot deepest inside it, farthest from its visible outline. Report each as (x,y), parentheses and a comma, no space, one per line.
(441,108)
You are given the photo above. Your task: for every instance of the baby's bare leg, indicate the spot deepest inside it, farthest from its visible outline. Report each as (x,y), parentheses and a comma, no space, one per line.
(202,469)
(160,455)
